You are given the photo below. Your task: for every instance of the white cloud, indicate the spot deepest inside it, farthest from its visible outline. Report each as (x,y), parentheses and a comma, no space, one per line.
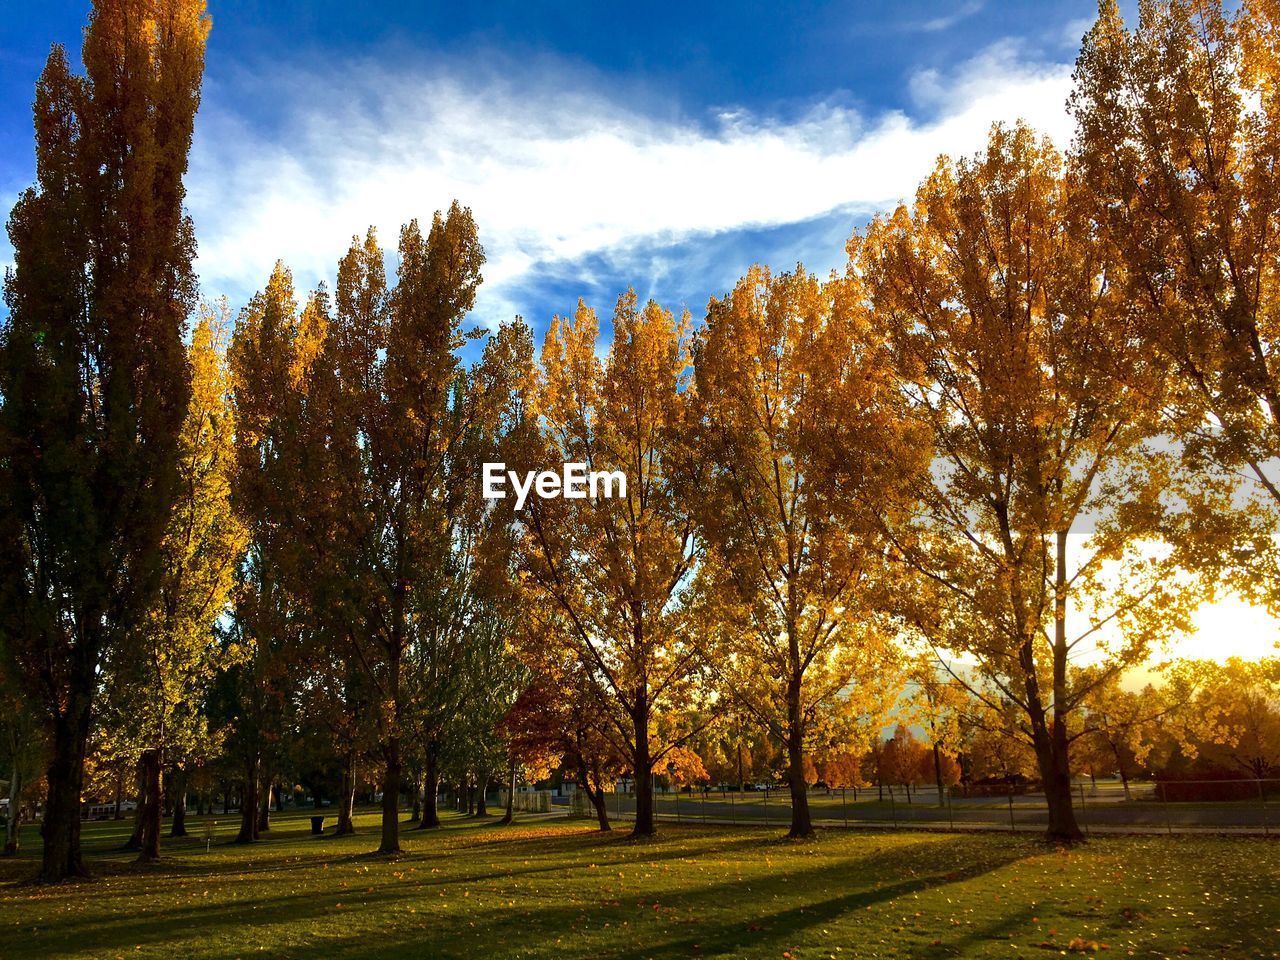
(559,168)
(964,12)
(1073,32)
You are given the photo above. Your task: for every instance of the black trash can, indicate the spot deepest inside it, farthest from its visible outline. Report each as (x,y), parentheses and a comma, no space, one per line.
(317,825)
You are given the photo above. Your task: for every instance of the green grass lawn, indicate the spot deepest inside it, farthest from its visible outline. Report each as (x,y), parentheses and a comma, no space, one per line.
(559,889)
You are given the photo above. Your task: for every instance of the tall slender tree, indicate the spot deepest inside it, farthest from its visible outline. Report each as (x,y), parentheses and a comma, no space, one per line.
(93,373)
(272,353)
(158,678)
(619,567)
(402,411)
(794,563)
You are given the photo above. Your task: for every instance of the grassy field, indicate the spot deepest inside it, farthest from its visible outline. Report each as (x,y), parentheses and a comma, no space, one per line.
(558,889)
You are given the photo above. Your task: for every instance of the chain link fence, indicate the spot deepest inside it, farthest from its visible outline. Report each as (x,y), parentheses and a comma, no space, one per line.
(1172,806)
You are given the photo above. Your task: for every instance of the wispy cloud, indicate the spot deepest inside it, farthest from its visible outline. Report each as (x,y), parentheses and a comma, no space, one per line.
(562,170)
(961,13)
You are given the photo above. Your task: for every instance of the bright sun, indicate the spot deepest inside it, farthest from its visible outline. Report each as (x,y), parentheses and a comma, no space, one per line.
(1229,627)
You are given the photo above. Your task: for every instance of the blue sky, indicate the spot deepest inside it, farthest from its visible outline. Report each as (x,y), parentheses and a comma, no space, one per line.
(662,146)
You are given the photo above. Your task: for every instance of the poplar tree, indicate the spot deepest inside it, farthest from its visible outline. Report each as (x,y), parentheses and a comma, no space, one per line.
(272,353)
(158,678)
(618,568)
(402,417)
(93,372)
(794,562)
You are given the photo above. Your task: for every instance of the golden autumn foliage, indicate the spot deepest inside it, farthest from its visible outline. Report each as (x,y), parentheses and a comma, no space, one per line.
(1007,314)
(682,767)
(1179,137)
(1027,429)
(793,580)
(618,568)
(158,678)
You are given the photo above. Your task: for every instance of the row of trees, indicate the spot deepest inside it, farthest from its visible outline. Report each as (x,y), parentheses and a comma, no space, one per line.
(1013,430)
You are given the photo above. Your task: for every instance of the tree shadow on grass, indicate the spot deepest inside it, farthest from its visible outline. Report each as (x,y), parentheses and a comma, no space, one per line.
(296,923)
(767,931)
(545,856)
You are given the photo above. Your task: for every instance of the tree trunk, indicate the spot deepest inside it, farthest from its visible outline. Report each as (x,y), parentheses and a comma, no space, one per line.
(801,824)
(602,808)
(510,813)
(937,773)
(61,858)
(347,800)
(264,803)
(139,811)
(643,762)
(431,787)
(1057,792)
(1051,740)
(390,842)
(392,772)
(119,811)
(416,815)
(152,810)
(597,801)
(249,804)
(15,810)
(178,790)
(482,787)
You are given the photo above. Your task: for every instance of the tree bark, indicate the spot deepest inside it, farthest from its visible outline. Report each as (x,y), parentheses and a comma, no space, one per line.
(264,803)
(1120,769)
(415,815)
(140,807)
(152,810)
(643,762)
(937,773)
(801,824)
(15,810)
(61,858)
(597,800)
(1050,739)
(178,790)
(249,804)
(602,809)
(392,771)
(482,786)
(510,813)
(390,842)
(347,798)
(1057,787)
(431,787)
